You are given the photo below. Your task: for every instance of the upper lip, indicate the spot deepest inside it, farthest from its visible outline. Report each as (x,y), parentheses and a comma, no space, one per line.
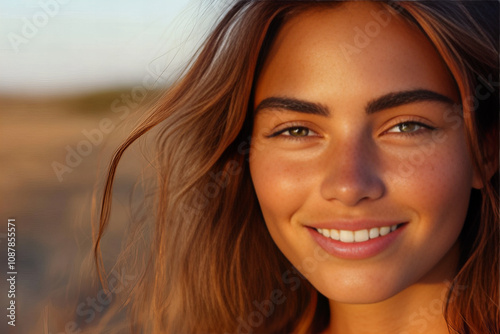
(355,225)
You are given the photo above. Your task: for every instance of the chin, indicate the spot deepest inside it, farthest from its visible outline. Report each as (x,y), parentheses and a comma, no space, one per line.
(357,296)
(355,290)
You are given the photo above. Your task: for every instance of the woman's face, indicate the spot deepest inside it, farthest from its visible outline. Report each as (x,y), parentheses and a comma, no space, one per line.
(356,132)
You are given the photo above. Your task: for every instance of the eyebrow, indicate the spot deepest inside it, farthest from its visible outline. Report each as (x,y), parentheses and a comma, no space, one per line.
(387,101)
(397,99)
(291,104)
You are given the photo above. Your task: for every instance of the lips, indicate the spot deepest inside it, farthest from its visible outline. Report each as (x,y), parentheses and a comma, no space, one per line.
(357,240)
(358,235)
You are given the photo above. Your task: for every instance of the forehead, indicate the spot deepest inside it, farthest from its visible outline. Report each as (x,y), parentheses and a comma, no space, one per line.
(351,49)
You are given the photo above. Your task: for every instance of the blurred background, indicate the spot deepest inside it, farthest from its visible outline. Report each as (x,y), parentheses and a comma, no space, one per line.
(74,75)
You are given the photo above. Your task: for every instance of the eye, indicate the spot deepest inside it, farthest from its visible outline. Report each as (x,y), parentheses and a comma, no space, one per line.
(409,128)
(295,132)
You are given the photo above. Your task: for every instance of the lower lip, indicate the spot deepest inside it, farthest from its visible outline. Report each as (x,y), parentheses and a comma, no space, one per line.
(356,250)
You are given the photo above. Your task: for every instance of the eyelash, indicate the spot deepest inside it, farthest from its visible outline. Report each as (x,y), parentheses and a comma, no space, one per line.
(423,127)
(279,133)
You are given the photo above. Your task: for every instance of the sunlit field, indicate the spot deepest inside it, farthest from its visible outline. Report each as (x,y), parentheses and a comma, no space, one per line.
(54,151)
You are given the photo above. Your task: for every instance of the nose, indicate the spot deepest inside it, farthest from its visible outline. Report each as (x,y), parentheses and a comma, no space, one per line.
(352,174)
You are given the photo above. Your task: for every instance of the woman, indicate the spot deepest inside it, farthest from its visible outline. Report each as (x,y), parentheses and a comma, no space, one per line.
(327,167)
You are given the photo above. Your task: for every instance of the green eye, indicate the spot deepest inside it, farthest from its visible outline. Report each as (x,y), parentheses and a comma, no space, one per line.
(409,128)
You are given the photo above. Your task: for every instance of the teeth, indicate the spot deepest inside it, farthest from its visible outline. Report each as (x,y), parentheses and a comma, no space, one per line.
(374,232)
(346,236)
(360,236)
(385,230)
(357,236)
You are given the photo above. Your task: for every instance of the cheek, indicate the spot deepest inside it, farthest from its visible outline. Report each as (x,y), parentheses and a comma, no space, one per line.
(281,185)
(436,184)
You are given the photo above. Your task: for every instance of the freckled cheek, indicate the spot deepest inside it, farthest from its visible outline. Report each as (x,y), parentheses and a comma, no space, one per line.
(282,186)
(438,187)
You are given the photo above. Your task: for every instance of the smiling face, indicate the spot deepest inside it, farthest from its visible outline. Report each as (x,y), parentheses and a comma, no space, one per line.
(349,145)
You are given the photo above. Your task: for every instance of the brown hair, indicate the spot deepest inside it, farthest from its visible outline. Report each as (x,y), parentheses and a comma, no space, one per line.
(211,262)
(466,36)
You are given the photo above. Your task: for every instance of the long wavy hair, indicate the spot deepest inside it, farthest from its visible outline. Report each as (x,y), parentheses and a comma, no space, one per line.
(209,262)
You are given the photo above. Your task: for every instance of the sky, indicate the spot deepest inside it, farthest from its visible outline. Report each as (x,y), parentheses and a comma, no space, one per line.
(69,46)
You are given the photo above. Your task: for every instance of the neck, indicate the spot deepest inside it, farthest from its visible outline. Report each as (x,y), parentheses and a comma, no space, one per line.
(417,309)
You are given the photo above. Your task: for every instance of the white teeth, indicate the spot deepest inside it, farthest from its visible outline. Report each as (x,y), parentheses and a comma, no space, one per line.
(385,230)
(346,236)
(357,236)
(374,232)
(335,234)
(360,236)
